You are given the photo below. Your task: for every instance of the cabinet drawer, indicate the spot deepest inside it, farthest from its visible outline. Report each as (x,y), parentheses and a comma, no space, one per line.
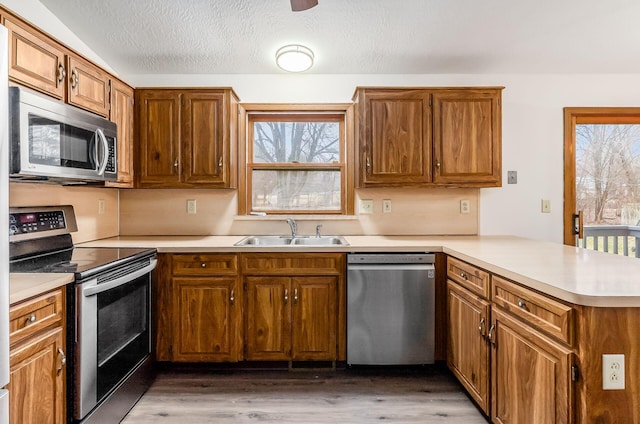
(296,263)
(30,316)
(206,264)
(469,276)
(550,316)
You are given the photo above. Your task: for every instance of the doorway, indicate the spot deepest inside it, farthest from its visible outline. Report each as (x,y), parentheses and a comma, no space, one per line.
(602,179)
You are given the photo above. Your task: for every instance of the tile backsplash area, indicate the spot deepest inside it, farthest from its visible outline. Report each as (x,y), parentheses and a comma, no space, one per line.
(433,211)
(96,209)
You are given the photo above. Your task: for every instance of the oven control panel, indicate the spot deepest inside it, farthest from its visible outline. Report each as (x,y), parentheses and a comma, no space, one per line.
(35,222)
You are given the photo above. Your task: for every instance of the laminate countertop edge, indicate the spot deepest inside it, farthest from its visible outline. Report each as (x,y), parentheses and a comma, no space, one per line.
(25,286)
(571,274)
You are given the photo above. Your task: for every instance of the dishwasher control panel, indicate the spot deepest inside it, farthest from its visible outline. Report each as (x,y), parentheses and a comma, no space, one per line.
(391,258)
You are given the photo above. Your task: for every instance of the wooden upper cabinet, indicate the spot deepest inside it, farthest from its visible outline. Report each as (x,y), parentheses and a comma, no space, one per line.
(87,86)
(35,60)
(122,114)
(187,138)
(467,137)
(203,138)
(394,133)
(428,136)
(159,138)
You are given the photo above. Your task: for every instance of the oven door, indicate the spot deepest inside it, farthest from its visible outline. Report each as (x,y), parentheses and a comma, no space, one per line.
(113,332)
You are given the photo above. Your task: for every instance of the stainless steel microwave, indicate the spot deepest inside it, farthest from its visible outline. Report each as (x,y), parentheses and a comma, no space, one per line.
(53,141)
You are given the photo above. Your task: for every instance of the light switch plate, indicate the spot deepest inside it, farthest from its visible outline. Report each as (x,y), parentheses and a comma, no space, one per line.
(386,206)
(512,177)
(546,206)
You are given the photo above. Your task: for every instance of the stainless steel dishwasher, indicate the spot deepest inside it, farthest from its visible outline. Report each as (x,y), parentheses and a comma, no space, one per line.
(390,308)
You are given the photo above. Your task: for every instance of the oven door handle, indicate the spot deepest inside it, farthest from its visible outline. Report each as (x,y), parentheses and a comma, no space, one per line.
(99,288)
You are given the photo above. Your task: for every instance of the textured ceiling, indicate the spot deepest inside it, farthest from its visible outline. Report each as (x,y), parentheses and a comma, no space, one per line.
(360,36)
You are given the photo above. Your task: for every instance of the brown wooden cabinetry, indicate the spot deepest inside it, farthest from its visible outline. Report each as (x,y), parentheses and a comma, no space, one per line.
(467,137)
(467,347)
(428,137)
(202,309)
(292,306)
(35,60)
(41,63)
(531,375)
(37,360)
(122,114)
(186,138)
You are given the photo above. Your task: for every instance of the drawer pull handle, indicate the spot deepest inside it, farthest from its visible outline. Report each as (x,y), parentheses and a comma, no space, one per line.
(522,304)
(295,295)
(286,296)
(464,275)
(232,297)
(491,336)
(482,327)
(74,78)
(32,318)
(62,73)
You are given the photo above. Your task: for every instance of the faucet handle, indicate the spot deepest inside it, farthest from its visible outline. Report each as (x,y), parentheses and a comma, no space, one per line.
(318,227)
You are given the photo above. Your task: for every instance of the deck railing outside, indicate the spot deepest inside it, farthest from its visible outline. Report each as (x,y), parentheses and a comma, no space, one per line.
(617,239)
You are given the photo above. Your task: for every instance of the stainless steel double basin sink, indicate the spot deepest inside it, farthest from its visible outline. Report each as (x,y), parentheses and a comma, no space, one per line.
(288,241)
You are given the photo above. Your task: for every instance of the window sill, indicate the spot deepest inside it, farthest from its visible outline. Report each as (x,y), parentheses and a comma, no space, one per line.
(275,217)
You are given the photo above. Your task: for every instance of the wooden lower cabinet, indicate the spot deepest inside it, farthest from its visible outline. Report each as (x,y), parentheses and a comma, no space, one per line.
(467,344)
(206,325)
(37,386)
(530,375)
(291,318)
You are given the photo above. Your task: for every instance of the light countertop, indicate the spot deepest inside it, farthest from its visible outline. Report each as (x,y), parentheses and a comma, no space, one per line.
(574,275)
(24,286)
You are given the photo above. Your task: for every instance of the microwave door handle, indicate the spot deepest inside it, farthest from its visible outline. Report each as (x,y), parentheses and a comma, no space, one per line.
(105,151)
(99,288)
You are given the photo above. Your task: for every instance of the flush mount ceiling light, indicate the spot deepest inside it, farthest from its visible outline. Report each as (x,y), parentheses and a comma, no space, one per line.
(294,58)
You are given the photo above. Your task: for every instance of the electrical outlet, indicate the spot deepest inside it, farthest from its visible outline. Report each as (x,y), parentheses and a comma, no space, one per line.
(546,206)
(100,206)
(366,206)
(191,206)
(613,372)
(386,206)
(465,206)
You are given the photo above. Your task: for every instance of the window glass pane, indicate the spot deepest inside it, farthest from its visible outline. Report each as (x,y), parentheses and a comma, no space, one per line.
(296,142)
(295,190)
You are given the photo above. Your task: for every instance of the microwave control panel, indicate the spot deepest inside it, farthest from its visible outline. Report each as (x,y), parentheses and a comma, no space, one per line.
(35,222)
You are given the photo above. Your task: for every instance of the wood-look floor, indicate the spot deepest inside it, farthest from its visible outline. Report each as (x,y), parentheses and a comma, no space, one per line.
(429,395)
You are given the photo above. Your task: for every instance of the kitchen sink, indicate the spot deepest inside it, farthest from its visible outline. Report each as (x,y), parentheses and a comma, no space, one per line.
(300,241)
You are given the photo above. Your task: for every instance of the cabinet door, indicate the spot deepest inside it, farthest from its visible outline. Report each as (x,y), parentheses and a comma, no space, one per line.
(206,321)
(159,138)
(88,86)
(36,386)
(531,379)
(394,137)
(467,346)
(314,318)
(203,138)
(268,318)
(467,137)
(35,60)
(122,114)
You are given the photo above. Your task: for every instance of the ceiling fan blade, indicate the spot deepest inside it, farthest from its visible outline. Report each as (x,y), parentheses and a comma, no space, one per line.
(300,5)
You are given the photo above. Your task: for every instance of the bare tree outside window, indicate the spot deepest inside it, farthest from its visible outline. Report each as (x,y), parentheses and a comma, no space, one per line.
(297,163)
(608,173)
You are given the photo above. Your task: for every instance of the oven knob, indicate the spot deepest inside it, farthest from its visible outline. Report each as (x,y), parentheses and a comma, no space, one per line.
(13,230)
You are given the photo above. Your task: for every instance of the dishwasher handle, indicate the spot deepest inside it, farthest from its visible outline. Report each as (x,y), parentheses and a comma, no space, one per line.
(389,267)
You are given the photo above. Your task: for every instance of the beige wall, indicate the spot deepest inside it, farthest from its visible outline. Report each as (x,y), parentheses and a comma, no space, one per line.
(414,211)
(91,224)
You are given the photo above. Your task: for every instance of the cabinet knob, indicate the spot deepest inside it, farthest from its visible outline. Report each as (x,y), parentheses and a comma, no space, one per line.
(74,78)
(522,304)
(437,163)
(32,318)
(62,73)
(220,162)
(175,164)
(203,265)
(232,297)
(368,165)
(63,360)
(295,295)
(482,327)
(463,275)
(286,296)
